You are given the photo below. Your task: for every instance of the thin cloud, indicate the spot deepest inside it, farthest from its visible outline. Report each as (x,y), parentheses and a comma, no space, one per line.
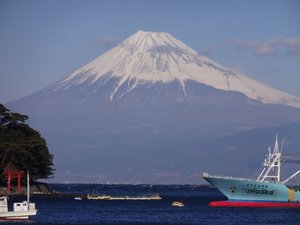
(278,46)
(108,41)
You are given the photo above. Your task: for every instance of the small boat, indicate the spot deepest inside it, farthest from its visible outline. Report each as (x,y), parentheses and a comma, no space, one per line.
(177,204)
(78,198)
(21,210)
(268,190)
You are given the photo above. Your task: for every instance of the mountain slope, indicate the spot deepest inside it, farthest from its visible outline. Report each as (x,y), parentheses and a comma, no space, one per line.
(145,111)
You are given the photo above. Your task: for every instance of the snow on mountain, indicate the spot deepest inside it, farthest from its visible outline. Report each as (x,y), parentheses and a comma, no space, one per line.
(151,57)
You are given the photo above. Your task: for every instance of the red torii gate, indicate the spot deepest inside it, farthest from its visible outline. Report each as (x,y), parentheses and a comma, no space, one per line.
(12,174)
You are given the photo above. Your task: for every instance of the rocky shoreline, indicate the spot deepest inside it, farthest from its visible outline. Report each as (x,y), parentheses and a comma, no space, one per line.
(35,189)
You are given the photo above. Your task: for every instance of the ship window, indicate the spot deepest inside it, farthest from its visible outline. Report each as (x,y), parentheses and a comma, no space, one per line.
(18,204)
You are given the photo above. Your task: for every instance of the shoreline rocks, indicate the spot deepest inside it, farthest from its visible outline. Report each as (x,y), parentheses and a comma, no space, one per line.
(36,188)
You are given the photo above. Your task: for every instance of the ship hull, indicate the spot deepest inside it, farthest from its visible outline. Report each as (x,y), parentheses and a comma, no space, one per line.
(21,215)
(254,204)
(251,193)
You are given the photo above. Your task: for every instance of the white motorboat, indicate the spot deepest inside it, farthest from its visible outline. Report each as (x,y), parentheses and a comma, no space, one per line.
(21,210)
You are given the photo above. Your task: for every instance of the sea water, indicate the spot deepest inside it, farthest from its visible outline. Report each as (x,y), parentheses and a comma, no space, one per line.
(63,209)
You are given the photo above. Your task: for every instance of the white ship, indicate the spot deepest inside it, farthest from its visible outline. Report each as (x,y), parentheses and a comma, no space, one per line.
(21,210)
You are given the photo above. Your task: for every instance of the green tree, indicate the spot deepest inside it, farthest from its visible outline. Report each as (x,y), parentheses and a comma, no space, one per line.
(21,147)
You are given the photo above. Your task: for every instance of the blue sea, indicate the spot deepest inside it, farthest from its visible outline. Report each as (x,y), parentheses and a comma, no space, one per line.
(63,209)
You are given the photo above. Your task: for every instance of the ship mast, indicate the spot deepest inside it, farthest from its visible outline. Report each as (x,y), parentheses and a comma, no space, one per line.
(28,190)
(272,165)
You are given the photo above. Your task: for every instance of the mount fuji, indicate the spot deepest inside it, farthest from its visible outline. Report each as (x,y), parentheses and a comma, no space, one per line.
(139,113)
(149,57)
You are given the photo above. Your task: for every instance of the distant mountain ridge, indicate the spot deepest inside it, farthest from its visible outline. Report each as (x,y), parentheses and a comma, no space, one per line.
(147,110)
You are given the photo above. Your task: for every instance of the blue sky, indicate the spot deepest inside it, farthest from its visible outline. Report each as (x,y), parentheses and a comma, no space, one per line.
(43,41)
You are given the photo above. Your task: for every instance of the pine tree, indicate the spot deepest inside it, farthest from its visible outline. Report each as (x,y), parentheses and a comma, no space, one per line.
(22,148)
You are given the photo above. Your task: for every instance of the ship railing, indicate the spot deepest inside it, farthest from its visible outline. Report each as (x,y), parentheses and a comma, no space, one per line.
(227,177)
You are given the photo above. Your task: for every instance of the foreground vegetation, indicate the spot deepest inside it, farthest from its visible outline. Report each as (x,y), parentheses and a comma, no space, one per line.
(22,148)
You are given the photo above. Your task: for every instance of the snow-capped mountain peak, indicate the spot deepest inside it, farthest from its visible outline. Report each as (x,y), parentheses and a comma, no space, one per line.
(159,57)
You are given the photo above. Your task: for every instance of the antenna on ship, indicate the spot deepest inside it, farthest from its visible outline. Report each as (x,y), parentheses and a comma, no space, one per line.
(276,148)
(281,145)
